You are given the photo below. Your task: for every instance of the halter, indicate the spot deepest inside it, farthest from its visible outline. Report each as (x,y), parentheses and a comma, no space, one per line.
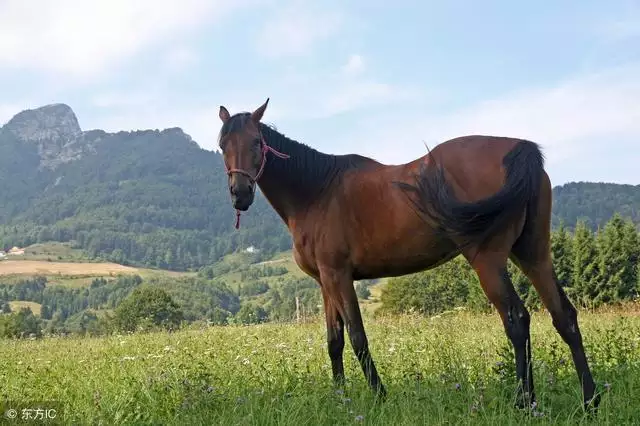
(264,150)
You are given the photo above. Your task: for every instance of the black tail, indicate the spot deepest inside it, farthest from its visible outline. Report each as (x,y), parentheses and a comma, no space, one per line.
(474,223)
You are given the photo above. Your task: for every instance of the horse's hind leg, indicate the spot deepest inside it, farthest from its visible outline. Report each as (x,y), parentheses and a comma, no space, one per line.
(532,253)
(491,268)
(565,319)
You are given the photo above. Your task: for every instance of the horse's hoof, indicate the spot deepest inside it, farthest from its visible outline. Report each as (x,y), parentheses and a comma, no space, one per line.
(591,405)
(381,393)
(527,401)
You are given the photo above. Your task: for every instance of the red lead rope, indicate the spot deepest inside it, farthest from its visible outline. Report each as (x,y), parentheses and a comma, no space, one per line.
(265,149)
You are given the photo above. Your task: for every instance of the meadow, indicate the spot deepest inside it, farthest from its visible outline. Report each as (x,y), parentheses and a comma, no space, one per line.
(453,368)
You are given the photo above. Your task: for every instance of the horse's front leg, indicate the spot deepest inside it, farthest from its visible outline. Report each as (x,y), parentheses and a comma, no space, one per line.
(338,286)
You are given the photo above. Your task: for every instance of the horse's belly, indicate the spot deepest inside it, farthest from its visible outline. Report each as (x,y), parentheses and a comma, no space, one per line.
(395,263)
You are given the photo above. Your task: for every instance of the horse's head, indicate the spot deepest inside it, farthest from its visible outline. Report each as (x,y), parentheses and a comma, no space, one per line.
(244,152)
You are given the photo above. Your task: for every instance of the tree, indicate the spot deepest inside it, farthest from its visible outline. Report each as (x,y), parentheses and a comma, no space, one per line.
(251,314)
(362,290)
(148,307)
(432,291)
(20,324)
(45,312)
(631,244)
(616,263)
(585,268)
(561,253)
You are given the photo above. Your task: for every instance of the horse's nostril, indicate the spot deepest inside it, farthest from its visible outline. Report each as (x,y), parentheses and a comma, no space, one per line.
(232,190)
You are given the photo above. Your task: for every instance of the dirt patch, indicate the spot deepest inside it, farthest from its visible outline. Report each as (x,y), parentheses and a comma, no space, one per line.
(34,267)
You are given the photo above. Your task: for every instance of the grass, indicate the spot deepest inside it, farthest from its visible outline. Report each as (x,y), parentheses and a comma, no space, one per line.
(16,305)
(52,251)
(441,370)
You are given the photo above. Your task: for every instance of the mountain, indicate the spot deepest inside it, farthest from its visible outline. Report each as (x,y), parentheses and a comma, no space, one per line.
(594,202)
(155,198)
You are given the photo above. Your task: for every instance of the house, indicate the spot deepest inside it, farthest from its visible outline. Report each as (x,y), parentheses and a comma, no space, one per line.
(15,251)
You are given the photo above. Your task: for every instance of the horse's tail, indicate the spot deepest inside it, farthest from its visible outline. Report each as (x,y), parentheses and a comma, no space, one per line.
(474,223)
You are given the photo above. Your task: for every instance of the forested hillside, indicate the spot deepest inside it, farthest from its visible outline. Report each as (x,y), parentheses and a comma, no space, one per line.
(594,203)
(155,198)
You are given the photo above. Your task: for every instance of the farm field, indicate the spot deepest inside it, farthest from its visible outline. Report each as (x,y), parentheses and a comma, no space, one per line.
(37,267)
(454,368)
(70,269)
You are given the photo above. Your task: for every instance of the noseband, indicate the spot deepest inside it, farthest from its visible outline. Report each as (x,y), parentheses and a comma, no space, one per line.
(264,149)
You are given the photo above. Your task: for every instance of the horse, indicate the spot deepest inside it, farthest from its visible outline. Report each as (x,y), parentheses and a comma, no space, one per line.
(351,217)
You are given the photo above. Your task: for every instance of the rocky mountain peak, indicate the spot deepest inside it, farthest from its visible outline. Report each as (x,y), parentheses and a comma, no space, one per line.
(53,129)
(55,122)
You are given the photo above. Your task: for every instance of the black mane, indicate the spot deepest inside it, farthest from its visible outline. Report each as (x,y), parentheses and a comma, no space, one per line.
(307,171)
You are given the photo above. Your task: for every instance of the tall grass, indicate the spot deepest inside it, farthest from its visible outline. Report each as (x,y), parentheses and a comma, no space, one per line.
(450,369)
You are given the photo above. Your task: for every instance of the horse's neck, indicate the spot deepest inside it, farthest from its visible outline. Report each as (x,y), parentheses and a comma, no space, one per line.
(278,199)
(286,182)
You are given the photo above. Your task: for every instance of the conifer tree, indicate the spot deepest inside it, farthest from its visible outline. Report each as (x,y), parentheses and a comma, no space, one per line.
(615,264)
(585,268)
(561,252)
(631,244)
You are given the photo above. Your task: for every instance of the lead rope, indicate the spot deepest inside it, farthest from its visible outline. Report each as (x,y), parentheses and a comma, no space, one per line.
(265,149)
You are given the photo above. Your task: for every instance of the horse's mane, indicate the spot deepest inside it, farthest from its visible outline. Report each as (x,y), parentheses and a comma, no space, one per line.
(307,169)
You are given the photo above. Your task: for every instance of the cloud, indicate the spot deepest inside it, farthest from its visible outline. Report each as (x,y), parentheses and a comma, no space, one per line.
(79,38)
(362,94)
(561,117)
(354,66)
(334,90)
(294,30)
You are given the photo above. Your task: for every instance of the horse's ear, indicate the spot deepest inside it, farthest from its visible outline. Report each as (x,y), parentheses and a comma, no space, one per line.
(224,114)
(256,116)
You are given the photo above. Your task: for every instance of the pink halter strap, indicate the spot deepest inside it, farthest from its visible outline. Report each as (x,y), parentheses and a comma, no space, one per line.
(265,149)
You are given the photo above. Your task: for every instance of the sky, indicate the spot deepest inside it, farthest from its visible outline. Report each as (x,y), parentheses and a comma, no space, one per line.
(372,77)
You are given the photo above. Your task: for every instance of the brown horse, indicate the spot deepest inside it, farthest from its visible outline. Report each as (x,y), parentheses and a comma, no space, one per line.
(487,198)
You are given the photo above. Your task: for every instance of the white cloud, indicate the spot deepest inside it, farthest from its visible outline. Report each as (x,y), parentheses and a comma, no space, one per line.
(83,38)
(559,117)
(296,28)
(361,94)
(354,66)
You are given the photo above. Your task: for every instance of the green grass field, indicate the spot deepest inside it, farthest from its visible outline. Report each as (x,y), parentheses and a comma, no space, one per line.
(441,370)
